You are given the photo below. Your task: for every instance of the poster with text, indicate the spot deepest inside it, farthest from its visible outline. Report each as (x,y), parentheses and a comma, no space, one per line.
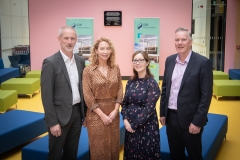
(146,38)
(84,28)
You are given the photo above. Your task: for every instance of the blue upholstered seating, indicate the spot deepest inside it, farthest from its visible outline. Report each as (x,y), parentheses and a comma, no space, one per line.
(213,135)
(24,59)
(7,73)
(38,150)
(18,127)
(122,130)
(22,66)
(234,74)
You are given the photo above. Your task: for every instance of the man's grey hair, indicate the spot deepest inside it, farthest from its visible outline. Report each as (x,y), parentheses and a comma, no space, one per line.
(64,28)
(180,29)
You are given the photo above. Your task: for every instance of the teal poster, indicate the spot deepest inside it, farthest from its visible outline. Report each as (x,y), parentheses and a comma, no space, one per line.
(146,38)
(84,28)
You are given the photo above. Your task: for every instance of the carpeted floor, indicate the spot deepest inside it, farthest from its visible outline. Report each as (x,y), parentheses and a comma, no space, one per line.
(228,106)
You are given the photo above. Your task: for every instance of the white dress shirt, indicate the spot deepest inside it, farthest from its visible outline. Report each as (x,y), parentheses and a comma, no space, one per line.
(73,76)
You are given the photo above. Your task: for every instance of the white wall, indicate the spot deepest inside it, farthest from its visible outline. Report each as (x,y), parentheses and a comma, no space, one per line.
(14,26)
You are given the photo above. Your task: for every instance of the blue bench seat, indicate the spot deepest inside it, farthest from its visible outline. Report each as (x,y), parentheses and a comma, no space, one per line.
(213,135)
(38,150)
(7,73)
(234,74)
(19,127)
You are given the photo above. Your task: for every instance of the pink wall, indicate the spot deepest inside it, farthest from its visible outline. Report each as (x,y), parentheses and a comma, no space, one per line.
(230,35)
(47,16)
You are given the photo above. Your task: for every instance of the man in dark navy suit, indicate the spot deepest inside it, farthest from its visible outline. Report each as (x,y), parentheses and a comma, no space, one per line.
(186,97)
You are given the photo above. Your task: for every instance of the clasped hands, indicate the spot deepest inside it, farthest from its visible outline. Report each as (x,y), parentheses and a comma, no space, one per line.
(128,126)
(107,119)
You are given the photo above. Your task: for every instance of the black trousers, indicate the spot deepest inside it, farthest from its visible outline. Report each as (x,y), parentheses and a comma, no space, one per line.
(65,147)
(180,139)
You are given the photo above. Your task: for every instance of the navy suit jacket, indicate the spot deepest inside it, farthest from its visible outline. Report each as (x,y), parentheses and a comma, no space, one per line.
(195,92)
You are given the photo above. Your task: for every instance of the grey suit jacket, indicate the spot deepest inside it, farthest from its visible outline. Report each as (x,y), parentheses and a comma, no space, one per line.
(56,90)
(195,92)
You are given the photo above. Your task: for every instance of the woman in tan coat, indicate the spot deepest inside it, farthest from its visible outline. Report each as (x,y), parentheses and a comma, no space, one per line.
(103,93)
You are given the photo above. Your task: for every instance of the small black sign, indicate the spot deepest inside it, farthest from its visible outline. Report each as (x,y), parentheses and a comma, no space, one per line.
(112,18)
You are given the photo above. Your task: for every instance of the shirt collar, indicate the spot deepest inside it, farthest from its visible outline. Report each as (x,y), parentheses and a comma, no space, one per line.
(65,58)
(186,60)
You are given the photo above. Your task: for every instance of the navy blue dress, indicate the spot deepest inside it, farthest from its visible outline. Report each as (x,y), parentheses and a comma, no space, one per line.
(139,108)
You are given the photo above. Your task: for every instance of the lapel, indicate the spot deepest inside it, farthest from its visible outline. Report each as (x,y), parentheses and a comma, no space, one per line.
(79,67)
(63,66)
(78,63)
(171,67)
(188,69)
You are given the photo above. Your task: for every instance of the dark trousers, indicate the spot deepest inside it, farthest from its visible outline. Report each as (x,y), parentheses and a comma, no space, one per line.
(65,147)
(179,139)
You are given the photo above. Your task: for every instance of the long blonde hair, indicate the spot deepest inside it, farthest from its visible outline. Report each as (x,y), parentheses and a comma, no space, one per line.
(93,56)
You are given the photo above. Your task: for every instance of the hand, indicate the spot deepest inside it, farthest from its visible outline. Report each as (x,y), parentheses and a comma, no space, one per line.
(56,130)
(113,114)
(194,129)
(163,121)
(128,126)
(106,119)
(84,123)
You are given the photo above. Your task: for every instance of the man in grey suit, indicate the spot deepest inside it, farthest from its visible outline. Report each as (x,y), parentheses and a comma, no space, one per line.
(62,97)
(186,97)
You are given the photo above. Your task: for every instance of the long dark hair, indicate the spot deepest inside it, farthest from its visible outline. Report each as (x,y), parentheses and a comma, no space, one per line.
(148,72)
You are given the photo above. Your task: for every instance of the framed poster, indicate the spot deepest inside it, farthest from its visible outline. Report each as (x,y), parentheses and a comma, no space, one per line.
(84,28)
(146,38)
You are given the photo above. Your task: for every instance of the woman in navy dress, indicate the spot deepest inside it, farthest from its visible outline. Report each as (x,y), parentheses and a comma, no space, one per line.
(142,139)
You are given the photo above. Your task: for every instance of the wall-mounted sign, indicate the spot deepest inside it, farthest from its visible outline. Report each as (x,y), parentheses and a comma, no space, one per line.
(112,18)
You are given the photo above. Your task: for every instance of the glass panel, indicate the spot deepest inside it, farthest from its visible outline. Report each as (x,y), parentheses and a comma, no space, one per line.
(217,34)
(14,31)
(208,30)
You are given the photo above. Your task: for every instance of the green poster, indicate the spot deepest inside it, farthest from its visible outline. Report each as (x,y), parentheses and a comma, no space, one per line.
(84,28)
(146,38)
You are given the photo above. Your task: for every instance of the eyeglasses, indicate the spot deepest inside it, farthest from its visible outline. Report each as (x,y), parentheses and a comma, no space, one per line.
(135,61)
